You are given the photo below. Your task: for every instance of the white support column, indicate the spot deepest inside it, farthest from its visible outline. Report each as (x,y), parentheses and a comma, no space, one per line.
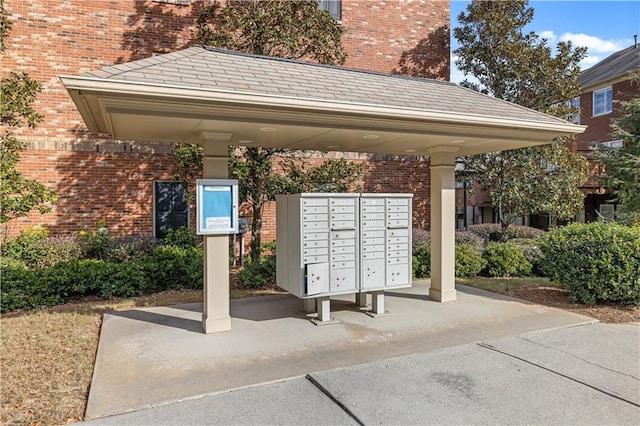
(215,314)
(361,300)
(309,306)
(377,303)
(443,209)
(324,309)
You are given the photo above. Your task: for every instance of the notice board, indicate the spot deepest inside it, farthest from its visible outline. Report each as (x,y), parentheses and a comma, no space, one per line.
(217,206)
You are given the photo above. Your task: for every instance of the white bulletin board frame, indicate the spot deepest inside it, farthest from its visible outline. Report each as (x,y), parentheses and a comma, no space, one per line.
(216,206)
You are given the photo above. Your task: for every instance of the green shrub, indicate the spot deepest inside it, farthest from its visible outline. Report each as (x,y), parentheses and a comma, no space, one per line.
(420,237)
(171,267)
(531,249)
(263,273)
(486,231)
(469,238)
(130,248)
(125,279)
(493,231)
(26,289)
(469,260)
(17,247)
(95,243)
(595,262)
(30,288)
(506,260)
(421,261)
(47,252)
(11,263)
(181,237)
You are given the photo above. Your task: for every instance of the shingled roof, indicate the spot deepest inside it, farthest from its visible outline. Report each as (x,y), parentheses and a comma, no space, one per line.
(223,70)
(620,64)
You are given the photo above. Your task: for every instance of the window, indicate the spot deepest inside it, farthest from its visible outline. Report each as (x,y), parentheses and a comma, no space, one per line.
(575,102)
(602,101)
(334,7)
(607,211)
(613,144)
(171,209)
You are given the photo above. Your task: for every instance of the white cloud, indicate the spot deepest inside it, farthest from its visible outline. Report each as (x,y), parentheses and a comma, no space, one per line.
(596,44)
(598,49)
(458,76)
(549,35)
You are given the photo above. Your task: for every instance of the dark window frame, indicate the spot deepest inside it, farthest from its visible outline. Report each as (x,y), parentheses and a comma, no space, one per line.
(157,227)
(334,7)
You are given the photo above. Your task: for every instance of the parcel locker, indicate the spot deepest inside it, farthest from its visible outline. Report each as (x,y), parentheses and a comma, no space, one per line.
(385,241)
(317,241)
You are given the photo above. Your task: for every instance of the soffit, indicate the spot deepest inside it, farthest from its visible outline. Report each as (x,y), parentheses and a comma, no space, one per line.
(187,95)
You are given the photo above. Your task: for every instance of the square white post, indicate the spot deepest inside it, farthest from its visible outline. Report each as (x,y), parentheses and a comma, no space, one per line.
(324,309)
(309,306)
(361,300)
(377,302)
(443,209)
(215,311)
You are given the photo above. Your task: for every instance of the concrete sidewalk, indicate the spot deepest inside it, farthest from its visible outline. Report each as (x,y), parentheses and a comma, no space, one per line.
(579,375)
(155,356)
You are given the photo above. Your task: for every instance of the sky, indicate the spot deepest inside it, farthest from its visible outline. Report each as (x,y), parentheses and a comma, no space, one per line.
(604,27)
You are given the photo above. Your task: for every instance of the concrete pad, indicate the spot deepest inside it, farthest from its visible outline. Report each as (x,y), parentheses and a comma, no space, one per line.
(152,356)
(469,385)
(578,353)
(286,403)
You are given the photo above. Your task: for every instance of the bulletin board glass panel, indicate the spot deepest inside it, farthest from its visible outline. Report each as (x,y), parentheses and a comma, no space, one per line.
(217,206)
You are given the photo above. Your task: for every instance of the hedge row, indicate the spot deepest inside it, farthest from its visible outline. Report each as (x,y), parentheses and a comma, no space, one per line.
(165,268)
(597,262)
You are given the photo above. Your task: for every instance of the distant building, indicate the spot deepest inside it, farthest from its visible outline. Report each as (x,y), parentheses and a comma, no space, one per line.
(603,86)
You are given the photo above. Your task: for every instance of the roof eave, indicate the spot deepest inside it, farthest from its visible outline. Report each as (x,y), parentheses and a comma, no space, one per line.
(80,86)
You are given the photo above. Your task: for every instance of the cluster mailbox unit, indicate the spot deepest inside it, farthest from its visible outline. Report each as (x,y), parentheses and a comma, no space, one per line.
(331,244)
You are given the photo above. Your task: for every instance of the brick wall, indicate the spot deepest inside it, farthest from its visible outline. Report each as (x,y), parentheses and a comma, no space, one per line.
(399,36)
(100,179)
(599,127)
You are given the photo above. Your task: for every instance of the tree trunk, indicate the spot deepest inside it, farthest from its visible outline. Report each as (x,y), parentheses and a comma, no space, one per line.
(256,228)
(504,223)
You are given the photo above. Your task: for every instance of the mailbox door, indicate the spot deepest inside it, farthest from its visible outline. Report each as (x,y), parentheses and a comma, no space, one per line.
(317,278)
(373,275)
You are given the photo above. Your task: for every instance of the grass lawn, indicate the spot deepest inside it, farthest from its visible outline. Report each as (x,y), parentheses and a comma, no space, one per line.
(505,285)
(47,355)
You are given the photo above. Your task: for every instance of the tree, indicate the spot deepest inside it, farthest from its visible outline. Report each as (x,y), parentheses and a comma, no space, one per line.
(286,29)
(622,165)
(281,28)
(19,195)
(521,68)
(264,173)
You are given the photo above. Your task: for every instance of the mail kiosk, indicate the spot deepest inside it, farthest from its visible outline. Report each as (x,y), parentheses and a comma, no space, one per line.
(317,237)
(331,244)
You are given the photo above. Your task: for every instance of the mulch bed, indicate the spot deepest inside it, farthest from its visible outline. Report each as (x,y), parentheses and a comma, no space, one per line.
(559,298)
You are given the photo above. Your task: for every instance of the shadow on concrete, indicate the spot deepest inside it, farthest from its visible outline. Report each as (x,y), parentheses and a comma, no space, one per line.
(276,307)
(167,320)
(408,296)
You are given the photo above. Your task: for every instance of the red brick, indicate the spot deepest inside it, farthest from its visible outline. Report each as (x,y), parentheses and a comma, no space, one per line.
(69,37)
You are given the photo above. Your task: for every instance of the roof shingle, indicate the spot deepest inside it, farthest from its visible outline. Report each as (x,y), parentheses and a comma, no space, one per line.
(216,69)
